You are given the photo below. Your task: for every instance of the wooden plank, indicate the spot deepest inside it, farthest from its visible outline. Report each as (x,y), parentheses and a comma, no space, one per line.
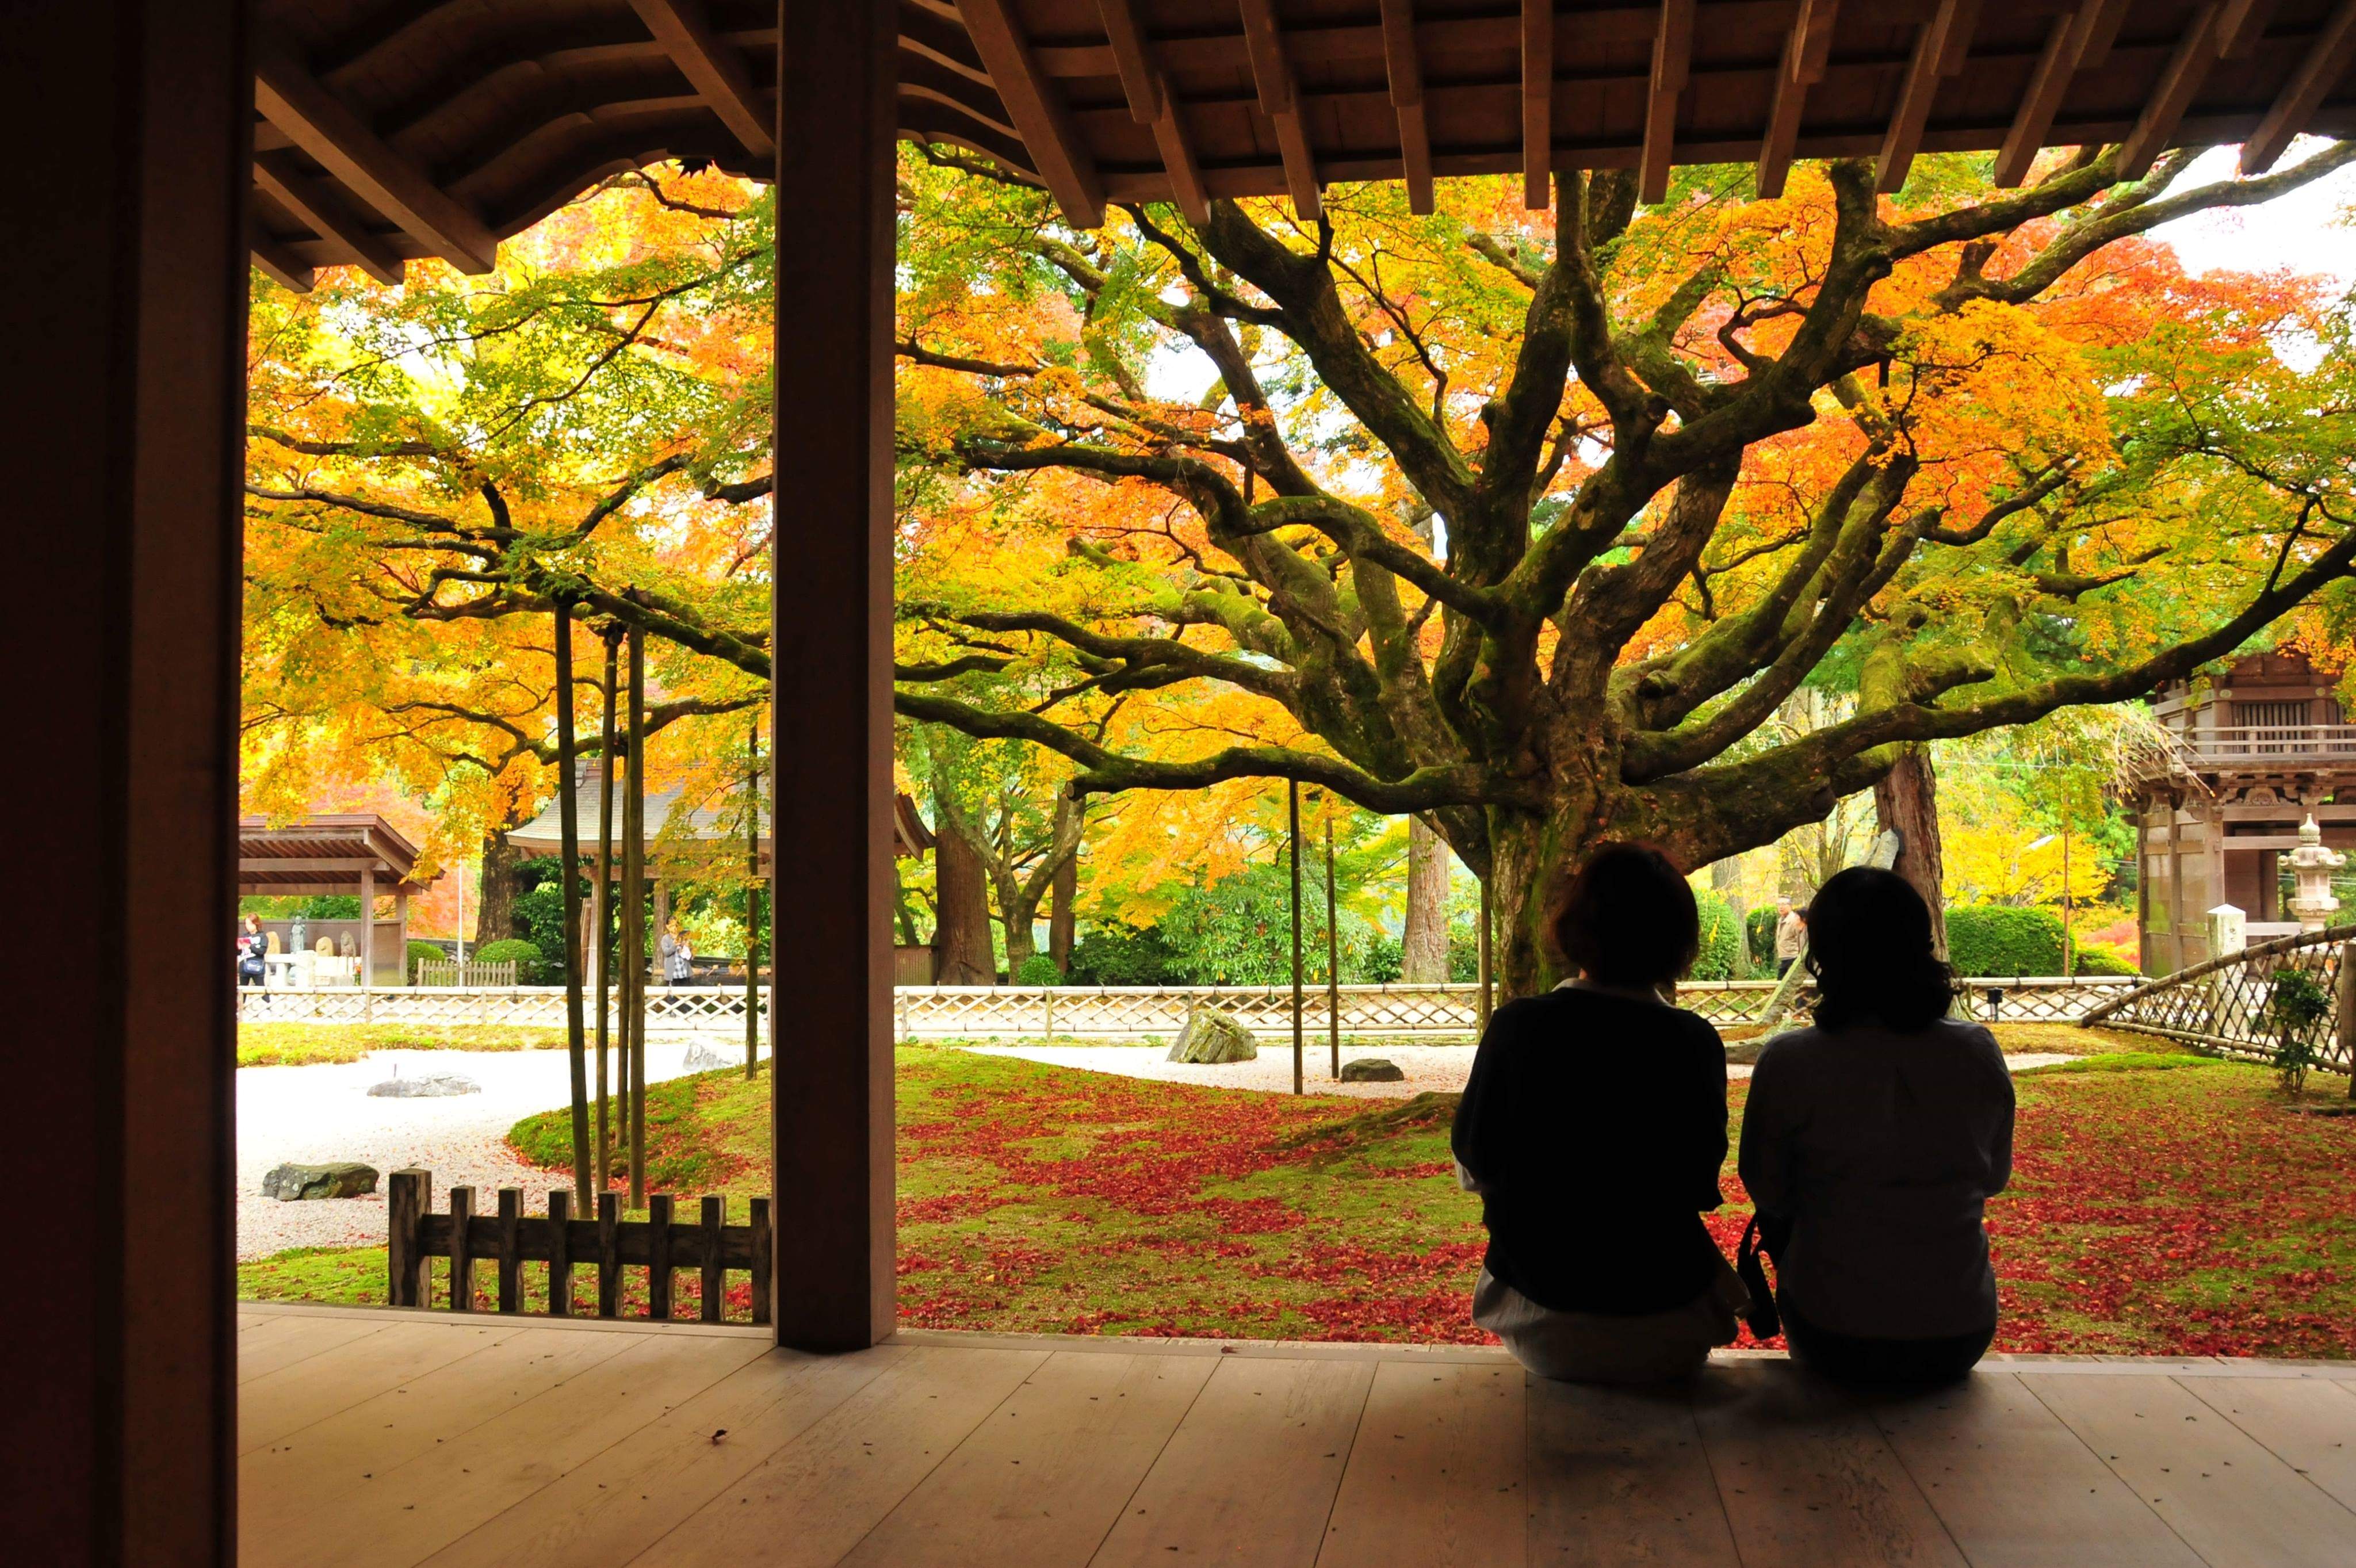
(2309,1424)
(284,1479)
(1141,78)
(1806,48)
(812,1500)
(609,1253)
(658,1260)
(462,1254)
(2016,1488)
(2326,62)
(1279,99)
(316,205)
(288,1341)
(2187,68)
(1672,65)
(1938,48)
(1620,1477)
(1404,71)
(1538,103)
(1046,1474)
(1038,110)
(2239,26)
(2231,1501)
(1806,1479)
(763,1264)
(295,1397)
(1436,1474)
(715,1282)
(317,122)
(611,1509)
(2098,29)
(559,1252)
(510,1248)
(713,67)
(1250,1476)
(408,1195)
(2047,86)
(281,265)
(412,1509)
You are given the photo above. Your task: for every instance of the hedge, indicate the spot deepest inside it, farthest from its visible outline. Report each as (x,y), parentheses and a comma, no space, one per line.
(424,952)
(1989,939)
(524,955)
(1721,956)
(1759,926)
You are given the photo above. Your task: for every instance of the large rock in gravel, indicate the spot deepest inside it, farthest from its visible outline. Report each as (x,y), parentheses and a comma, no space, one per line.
(701,1057)
(344,1178)
(433,1086)
(1372,1070)
(1212,1036)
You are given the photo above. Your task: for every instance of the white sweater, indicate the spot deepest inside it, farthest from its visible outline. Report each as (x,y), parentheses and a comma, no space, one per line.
(1882,1148)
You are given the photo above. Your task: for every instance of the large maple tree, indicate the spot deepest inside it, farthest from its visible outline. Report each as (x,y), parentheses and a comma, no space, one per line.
(1529,523)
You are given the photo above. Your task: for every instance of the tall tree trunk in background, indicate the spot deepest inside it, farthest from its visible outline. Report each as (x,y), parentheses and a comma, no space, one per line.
(1423,946)
(961,945)
(1063,889)
(1907,802)
(495,916)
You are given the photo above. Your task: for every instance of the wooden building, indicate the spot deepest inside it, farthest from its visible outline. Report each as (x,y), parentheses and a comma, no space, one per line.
(164,146)
(2254,752)
(361,854)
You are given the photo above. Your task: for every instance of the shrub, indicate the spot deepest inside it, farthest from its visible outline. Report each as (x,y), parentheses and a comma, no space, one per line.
(1039,969)
(1464,951)
(1381,963)
(1721,956)
(1994,939)
(539,914)
(524,955)
(1123,955)
(1759,926)
(424,952)
(2297,1004)
(2101,958)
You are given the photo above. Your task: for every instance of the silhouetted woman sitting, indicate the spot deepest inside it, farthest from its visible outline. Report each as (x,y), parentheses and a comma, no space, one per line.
(1872,1142)
(1594,1127)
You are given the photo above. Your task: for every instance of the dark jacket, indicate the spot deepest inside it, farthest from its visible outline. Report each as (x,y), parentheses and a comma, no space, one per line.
(1595,1125)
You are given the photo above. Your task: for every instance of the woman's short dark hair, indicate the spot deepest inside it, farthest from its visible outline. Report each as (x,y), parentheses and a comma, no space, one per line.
(1869,948)
(1628,918)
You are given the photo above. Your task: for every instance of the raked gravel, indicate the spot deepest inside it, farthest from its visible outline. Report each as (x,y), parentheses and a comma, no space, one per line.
(314,1114)
(1428,1067)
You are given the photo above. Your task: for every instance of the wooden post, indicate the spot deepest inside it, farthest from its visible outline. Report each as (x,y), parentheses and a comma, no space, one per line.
(764,1255)
(462,1258)
(1333,954)
(568,816)
(2343,1022)
(401,926)
(634,936)
(559,1254)
(510,1259)
(122,1390)
(1293,808)
(606,907)
(830,815)
(367,934)
(716,1265)
(609,1253)
(753,900)
(409,1279)
(659,1257)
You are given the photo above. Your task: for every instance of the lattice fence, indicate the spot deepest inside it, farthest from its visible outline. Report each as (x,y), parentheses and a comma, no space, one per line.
(2248,1003)
(519,1006)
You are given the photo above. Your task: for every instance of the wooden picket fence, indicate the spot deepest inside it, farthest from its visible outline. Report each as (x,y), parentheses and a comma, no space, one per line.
(472,974)
(510,1239)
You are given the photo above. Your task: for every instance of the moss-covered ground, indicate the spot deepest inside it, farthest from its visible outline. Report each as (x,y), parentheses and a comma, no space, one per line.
(2162,1203)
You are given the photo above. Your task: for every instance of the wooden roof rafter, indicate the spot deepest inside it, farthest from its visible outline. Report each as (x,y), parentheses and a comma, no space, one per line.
(1806,49)
(1279,99)
(1151,103)
(1403,69)
(685,34)
(2327,62)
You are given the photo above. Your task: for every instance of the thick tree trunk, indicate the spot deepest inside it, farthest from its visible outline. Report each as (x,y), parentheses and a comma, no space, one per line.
(1423,946)
(961,947)
(495,916)
(1063,921)
(1907,802)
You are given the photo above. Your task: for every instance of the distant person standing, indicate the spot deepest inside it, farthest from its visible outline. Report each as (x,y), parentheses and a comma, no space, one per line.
(678,956)
(250,945)
(1791,935)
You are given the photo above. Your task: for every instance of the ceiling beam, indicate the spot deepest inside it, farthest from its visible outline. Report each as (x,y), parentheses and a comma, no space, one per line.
(1939,52)
(312,202)
(2048,84)
(1806,49)
(1037,109)
(2242,25)
(1672,64)
(1405,70)
(1150,102)
(316,121)
(1279,99)
(1538,103)
(713,67)
(2187,68)
(282,266)
(2328,60)
(2098,29)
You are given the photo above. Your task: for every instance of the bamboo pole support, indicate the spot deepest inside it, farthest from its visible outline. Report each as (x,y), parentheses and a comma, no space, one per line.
(634,919)
(604,910)
(1292,802)
(568,816)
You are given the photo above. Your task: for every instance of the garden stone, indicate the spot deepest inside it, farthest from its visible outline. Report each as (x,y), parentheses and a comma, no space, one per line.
(344,1178)
(1212,1036)
(433,1086)
(701,1057)
(1372,1070)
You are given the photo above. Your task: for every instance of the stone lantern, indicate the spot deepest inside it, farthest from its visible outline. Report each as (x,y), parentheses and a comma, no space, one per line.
(2313,864)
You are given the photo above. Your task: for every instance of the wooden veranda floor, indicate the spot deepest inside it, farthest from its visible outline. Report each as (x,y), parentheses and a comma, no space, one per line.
(391,1438)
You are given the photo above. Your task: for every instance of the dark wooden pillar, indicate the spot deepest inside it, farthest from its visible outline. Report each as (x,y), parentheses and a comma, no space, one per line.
(128,263)
(832,870)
